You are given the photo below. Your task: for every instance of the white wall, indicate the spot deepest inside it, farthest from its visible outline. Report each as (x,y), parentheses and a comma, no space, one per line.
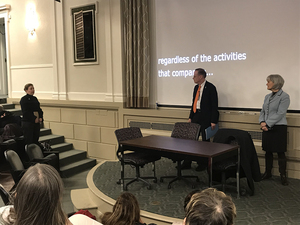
(46,60)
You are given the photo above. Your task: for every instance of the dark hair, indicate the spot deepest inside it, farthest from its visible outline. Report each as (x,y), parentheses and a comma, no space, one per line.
(126,211)
(27,86)
(210,207)
(105,217)
(188,198)
(38,197)
(201,71)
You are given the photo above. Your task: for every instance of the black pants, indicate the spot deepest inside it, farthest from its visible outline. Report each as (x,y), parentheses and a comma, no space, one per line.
(281,162)
(31,132)
(198,119)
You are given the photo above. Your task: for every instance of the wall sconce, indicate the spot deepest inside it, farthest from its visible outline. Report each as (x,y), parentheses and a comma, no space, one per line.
(31,20)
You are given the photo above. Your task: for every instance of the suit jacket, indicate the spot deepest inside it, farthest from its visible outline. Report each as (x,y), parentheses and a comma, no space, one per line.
(274,109)
(208,105)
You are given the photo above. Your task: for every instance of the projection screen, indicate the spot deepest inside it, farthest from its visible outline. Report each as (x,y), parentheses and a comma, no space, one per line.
(239,43)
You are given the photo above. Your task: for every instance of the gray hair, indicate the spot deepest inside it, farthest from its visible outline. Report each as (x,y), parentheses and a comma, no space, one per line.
(210,207)
(277,80)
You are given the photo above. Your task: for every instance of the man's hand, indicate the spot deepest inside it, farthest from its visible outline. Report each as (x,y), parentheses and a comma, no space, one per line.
(190,120)
(213,125)
(264,128)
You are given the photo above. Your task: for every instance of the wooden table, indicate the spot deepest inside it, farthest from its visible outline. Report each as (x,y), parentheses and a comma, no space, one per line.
(168,145)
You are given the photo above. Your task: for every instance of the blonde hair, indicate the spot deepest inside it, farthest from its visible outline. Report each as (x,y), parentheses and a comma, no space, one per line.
(38,197)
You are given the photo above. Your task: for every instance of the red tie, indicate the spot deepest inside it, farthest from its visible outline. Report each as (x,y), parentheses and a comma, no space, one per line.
(196,99)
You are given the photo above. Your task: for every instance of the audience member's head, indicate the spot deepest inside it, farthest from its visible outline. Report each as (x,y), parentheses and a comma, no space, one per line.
(38,197)
(1,108)
(188,198)
(125,211)
(211,207)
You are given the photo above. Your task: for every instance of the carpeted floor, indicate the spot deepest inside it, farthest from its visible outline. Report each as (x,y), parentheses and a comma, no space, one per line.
(271,204)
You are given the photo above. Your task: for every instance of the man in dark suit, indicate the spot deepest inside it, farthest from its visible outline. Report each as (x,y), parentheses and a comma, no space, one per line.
(204,110)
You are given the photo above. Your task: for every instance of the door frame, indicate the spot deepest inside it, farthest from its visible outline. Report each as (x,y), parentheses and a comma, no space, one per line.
(4,13)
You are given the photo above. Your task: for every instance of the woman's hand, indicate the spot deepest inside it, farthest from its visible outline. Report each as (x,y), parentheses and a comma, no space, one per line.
(41,120)
(36,120)
(265,128)
(263,124)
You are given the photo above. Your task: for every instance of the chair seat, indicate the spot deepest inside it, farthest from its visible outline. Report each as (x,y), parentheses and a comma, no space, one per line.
(226,164)
(135,159)
(139,159)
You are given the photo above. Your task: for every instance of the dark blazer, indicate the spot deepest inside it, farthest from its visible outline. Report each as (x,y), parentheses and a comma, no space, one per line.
(208,105)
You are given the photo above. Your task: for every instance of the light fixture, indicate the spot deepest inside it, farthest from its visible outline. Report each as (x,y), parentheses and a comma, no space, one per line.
(31,21)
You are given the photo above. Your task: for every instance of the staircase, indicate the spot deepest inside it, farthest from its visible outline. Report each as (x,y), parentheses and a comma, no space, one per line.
(72,161)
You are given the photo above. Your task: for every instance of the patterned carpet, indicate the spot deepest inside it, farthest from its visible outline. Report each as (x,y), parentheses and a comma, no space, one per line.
(271,204)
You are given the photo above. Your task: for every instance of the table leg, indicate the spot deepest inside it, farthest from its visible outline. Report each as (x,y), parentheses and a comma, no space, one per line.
(210,171)
(238,174)
(122,171)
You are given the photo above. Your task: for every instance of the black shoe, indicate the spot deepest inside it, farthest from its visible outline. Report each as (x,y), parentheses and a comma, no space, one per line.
(200,168)
(284,181)
(185,166)
(266,176)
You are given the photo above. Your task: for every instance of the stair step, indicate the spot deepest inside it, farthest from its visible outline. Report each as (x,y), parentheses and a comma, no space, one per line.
(72,161)
(62,147)
(71,156)
(54,139)
(77,167)
(45,131)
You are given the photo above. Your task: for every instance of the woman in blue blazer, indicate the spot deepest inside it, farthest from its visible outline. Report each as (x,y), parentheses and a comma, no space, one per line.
(274,125)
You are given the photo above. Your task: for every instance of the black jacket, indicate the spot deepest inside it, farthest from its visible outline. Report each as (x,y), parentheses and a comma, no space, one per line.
(30,104)
(248,156)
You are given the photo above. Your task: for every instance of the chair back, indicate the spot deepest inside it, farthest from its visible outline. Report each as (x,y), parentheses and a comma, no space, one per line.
(128,133)
(14,160)
(185,130)
(4,195)
(34,151)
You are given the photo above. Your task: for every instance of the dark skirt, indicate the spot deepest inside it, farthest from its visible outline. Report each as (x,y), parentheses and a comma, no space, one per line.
(275,140)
